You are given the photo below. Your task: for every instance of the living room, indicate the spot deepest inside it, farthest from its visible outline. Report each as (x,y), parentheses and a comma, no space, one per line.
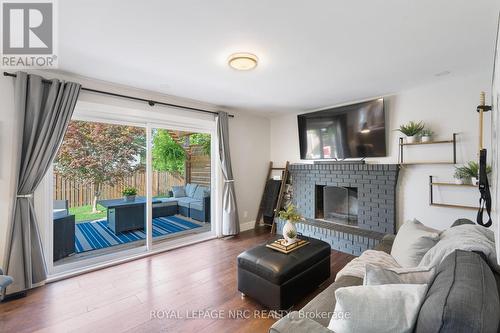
(284,167)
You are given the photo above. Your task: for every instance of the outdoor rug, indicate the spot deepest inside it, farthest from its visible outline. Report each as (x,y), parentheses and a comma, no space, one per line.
(96,234)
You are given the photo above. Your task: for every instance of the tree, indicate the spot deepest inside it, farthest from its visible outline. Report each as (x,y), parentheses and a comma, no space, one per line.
(201,139)
(100,154)
(168,155)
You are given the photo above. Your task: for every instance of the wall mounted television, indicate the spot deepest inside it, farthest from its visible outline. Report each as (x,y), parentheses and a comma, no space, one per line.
(349,131)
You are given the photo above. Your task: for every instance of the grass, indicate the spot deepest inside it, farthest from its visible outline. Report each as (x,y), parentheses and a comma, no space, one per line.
(84,213)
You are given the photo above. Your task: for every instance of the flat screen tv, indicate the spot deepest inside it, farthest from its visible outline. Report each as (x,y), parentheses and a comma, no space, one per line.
(349,131)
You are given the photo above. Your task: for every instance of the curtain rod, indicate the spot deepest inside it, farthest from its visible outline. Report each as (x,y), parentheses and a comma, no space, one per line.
(150,102)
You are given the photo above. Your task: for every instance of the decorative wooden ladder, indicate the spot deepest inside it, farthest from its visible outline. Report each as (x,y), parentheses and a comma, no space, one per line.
(279,202)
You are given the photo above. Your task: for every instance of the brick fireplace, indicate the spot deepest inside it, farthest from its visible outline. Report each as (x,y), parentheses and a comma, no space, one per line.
(360,206)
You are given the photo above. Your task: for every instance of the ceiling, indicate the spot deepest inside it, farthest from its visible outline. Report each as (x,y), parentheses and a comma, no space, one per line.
(312,53)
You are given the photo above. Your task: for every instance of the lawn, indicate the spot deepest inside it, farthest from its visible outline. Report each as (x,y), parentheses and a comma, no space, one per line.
(84,213)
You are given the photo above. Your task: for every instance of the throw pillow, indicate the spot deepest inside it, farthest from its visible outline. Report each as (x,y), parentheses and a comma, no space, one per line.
(190,189)
(201,192)
(179,191)
(386,308)
(412,241)
(462,298)
(376,275)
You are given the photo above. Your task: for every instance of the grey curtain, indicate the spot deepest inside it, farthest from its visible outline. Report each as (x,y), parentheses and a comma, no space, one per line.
(230,220)
(45,109)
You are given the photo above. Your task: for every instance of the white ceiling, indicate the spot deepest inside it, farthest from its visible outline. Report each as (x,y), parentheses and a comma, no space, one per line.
(312,53)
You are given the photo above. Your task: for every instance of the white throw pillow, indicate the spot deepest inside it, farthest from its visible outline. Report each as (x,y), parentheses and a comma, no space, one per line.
(376,275)
(388,308)
(412,242)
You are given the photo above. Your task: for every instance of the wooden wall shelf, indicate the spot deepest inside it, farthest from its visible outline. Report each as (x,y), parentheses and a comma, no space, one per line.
(431,196)
(426,143)
(452,184)
(454,206)
(402,145)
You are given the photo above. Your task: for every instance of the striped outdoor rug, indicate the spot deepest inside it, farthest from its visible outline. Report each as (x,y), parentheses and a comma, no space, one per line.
(96,234)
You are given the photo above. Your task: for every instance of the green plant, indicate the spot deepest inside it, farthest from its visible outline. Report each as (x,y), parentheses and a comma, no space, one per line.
(412,128)
(128,191)
(426,132)
(471,169)
(291,234)
(290,214)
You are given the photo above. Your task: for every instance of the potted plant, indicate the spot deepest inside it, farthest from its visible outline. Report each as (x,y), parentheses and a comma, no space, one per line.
(426,135)
(129,193)
(468,174)
(291,216)
(411,130)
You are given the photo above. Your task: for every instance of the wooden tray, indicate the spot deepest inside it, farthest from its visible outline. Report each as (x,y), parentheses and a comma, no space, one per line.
(280,245)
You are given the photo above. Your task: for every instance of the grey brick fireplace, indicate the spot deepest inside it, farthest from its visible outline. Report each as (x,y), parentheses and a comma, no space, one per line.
(372,186)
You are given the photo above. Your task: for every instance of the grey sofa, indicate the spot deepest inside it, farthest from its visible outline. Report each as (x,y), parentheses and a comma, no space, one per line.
(463,297)
(193,201)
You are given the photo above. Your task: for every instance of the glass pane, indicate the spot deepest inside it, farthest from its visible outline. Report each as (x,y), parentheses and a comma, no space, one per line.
(99,190)
(181,163)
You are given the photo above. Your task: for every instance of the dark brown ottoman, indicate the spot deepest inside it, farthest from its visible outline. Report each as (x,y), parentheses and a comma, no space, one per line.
(279,280)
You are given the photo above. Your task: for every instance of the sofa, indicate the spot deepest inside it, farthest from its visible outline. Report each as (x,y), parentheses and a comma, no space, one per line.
(64,230)
(192,200)
(462,297)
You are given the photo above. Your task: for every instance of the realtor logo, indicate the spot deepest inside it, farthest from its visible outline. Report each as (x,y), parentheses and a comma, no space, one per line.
(28,31)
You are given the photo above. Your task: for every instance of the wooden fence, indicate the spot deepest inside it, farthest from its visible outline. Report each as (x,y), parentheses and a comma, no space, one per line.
(81,194)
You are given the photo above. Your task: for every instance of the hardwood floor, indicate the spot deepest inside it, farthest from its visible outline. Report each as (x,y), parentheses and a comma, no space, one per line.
(148,294)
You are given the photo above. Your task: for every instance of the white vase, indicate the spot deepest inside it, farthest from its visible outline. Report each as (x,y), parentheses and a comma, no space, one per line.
(289,226)
(411,139)
(426,139)
(474,181)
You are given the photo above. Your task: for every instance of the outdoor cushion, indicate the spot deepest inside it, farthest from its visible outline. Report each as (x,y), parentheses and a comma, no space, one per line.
(201,192)
(185,202)
(198,205)
(191,189)
(179,191)
(59,213)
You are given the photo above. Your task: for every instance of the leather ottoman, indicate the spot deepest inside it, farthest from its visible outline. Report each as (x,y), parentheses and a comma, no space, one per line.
(278,280)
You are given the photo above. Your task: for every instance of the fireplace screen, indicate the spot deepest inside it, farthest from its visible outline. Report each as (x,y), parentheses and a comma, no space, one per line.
(337,204)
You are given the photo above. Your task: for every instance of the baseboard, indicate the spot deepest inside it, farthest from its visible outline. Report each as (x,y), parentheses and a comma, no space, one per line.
(247,225)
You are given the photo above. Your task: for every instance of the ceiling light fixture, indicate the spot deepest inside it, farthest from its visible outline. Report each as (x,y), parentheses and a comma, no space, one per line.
(243,61)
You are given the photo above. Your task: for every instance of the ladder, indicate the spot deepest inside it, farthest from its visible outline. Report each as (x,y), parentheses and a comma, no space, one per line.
(279,202)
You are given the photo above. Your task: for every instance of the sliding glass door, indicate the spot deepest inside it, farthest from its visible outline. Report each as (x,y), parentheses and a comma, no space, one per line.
(120,189)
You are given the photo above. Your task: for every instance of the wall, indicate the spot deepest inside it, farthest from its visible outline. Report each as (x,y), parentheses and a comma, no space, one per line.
(249,142)
(447,106)
(8,150)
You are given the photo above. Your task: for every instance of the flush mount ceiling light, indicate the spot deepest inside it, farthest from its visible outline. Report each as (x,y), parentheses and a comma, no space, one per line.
(243,61)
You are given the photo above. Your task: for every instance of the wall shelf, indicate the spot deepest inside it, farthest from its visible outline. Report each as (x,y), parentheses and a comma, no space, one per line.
(403,144)
(426,143)
(452,184)
(431,196)
(454,206)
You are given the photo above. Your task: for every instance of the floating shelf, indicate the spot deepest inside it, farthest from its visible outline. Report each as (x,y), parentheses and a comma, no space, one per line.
(402,144)
(431,196)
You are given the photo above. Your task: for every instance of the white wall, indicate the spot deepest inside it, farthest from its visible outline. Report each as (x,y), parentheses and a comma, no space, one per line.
(8,150)
(249,143)
(447,106)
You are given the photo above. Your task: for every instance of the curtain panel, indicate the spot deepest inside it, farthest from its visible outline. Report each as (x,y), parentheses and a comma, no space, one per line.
(45,109)
(230,220)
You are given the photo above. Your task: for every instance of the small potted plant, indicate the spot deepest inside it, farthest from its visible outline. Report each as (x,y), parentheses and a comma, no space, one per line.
(426,135)
(291,216)
(411,130)
(129,193)
(468,174)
